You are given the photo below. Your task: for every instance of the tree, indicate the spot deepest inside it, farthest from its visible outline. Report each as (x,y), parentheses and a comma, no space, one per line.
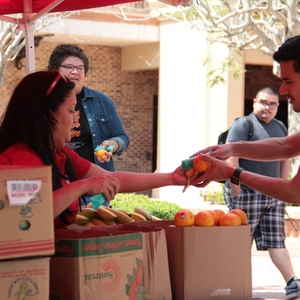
(249,24)
(12,40)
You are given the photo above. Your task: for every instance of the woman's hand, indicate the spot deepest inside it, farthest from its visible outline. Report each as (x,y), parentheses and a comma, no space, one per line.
(179,176)
(107,185)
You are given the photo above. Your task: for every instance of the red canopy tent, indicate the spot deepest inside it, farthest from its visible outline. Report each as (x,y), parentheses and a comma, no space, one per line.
(31,10)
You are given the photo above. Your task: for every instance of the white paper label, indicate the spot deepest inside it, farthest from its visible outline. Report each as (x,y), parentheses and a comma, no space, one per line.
(21,191)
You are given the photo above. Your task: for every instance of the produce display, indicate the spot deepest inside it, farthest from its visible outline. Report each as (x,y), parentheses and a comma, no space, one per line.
(103,215)
(235,217)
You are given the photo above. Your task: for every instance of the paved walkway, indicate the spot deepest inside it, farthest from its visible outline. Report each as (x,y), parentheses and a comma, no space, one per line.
(267,282)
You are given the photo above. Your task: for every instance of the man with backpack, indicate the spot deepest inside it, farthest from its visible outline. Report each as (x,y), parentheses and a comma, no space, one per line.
(265,214)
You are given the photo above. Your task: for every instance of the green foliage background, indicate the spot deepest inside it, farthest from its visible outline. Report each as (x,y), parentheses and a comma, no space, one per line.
(161,209)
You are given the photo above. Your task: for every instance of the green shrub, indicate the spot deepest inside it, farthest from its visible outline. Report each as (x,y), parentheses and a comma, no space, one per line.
(161,209)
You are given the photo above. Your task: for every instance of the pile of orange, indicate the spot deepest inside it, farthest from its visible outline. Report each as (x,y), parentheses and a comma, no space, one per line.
(217,217)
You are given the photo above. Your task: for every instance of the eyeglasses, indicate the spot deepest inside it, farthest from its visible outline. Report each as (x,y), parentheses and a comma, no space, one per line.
(55,81)
(71,68)
(272,105)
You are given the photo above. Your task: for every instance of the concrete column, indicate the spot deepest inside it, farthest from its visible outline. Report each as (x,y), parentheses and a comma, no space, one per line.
(183,102)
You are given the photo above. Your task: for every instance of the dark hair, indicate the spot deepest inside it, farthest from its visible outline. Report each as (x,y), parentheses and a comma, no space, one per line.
(289,50)
(268,90)
(61,52)
(28,118)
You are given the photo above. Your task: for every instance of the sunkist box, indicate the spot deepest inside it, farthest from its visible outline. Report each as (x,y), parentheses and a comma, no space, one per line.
(209,262)
(26,218)
(110,262)
(24,279)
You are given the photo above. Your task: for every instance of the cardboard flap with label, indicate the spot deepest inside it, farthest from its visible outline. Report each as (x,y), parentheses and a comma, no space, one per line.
(28,229)
(110,262)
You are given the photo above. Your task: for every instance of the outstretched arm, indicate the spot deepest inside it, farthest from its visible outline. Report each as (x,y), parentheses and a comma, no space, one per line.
(262,150)
(279,188)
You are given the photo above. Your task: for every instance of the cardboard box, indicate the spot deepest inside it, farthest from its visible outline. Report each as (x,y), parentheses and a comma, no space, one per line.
(209,262)
(26,229)
(110,262)
(24,279)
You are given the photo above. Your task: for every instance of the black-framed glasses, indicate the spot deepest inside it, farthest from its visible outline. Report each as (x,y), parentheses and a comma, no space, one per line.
(271,105)
(59,76)
(71,68)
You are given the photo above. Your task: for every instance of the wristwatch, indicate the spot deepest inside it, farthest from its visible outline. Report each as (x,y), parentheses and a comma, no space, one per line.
(235,178)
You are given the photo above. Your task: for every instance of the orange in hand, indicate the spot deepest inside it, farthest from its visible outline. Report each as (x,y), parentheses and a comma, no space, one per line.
(200,165)
(184,217)
(230,219)
(204,218)
(241,214)
(101,153)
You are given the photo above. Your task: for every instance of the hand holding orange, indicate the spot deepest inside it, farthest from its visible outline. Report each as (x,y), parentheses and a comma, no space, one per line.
(200,165)
(101,153)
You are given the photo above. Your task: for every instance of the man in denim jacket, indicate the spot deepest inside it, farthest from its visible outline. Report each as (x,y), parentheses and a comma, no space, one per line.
(98,120)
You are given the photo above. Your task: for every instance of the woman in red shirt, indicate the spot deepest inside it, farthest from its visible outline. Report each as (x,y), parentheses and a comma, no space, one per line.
(35,127)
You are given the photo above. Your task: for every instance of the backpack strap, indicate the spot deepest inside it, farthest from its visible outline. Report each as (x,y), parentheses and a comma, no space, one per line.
(282,126)
(250,133)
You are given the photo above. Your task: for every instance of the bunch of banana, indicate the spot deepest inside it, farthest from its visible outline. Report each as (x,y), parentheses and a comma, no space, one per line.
(121,216)
(104,215)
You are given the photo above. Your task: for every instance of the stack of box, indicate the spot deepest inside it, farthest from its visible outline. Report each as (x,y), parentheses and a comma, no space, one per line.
(27,233)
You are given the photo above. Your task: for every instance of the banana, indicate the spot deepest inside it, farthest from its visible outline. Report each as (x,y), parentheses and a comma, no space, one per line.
(109,222)
(124,211)
(137,217)
(87,212)
(154,218)
(97,222)
(90,205)
(81,220)
(89,224)
(105,214)
(144,212)
(121,217)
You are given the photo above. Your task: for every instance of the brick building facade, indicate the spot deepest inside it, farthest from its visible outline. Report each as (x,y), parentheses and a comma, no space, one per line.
(132,92)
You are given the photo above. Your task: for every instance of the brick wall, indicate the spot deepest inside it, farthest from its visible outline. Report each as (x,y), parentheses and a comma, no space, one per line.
(132,92)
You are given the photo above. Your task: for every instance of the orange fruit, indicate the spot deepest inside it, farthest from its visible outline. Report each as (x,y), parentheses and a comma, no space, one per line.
(241,214)
(200,165)
(219,212)
(216,217)
(204,218)
(184,217)
(101,153)
(230,219)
